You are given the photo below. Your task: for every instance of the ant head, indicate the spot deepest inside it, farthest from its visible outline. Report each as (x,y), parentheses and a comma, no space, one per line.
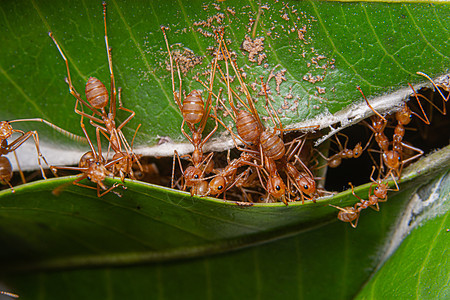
(357,151)
(5,130)
(123,161)
(192,175)
(381,190)
(307,184)
(96,93)
(201,188)
(217,185)
(96,172)
(403,116)
(276,187)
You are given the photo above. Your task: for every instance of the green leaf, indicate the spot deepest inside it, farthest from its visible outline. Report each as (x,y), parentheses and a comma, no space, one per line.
(375,45)
(334,255)
(166,243)
(64,233)
(420,268)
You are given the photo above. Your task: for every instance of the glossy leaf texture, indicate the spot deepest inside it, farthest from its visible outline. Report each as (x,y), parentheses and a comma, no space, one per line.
(318,52)
(333,255)
(420,268)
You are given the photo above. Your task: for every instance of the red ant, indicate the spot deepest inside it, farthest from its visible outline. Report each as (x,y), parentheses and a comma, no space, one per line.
(302,180)
(93,166)
(97,99)
(194,111)
(376,195)
(348,214)
(344,153)
(6,131)
(250,130)
(392,158)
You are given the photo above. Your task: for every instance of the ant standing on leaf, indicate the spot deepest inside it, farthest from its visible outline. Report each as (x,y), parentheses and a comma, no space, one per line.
(93,166)
(194,111)
(97,100)
(6,131)
(392,158)
(375,195)
(344,153)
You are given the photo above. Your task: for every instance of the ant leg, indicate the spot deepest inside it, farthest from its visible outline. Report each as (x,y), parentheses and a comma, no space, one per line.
(419,153)
(132,113)
(18,166)
(40,156)
(173,169)
(109,190)
(77,182)
(395,181)
(297,159)
(82,113)
(177,99)
(69,80)
(434,85)
(339,142)
(381,167)
(356,221)
(184,132)
(353,192)
(112,107)
(57,128)
(12,295)
(370,106)
(25,136)
(209,135)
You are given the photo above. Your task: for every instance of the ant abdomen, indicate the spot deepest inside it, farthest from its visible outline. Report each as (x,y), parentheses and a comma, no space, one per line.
(349,214)
(5,170)
(272,145)
(193,107)
(96,93)
(247,127)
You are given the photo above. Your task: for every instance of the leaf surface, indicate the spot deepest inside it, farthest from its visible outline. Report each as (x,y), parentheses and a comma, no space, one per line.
(319,52)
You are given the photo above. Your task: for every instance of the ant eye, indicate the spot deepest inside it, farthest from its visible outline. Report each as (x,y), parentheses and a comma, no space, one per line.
(278,188)
(89,177)
(220,187)
(196,176)
(305,186)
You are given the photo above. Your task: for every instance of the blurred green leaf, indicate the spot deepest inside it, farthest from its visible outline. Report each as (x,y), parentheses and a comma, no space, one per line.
(334,256)
(175,232)
(420,268)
